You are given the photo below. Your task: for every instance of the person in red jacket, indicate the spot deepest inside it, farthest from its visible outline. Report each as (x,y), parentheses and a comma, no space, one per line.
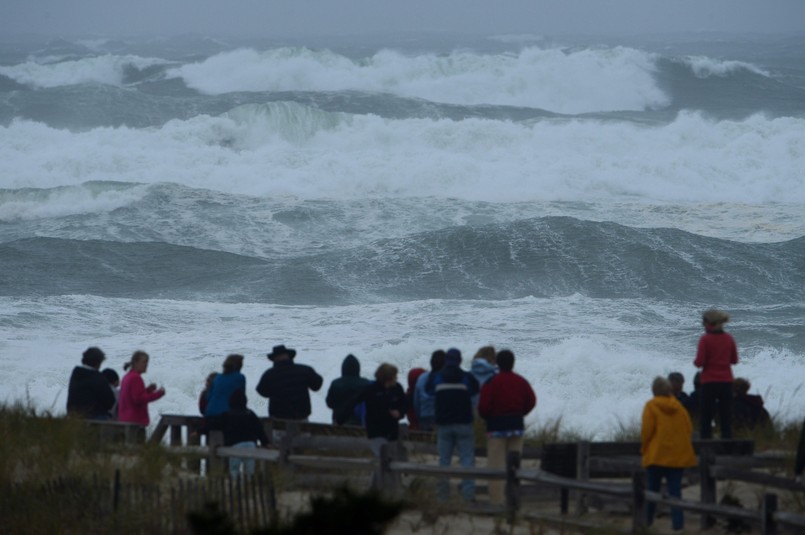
(715,355)
(134,395)
(504,402)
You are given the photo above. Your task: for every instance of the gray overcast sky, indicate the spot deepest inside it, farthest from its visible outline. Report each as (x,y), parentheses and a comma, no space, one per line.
(288,17)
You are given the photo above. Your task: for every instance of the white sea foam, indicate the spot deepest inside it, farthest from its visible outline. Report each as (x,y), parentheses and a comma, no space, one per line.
(107,69)
(704,67)
(691,160)
(65,201)
(551,79)
(594,377)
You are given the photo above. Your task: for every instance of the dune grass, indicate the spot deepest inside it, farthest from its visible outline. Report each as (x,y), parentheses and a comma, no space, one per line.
(55,472)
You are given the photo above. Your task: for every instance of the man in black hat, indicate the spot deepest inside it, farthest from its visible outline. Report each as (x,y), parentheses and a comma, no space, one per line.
(287,384)
(89,394)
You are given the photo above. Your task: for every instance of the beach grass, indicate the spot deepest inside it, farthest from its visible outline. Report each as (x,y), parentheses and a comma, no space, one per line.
(55,472)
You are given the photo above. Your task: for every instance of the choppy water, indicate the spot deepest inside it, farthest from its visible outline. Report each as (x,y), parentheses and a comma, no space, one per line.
(579,202)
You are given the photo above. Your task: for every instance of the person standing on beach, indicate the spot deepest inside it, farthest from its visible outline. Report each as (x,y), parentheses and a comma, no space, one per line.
(345,389)
(677,381)
(453,389)
(715,355)
(666,447)
(424,403)
(386,404)
(134,395)
(224,385)
(88,393)
(504,402)
(202,397)
(287,385)
(114,383)
(242,429)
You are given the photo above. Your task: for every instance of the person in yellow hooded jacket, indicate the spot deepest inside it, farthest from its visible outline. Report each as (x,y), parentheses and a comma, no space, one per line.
(667,447)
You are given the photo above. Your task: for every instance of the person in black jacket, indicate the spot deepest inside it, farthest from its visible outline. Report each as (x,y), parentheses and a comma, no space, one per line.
(287,385)
(386,404)
(346,388)
(89,394)
(242,429)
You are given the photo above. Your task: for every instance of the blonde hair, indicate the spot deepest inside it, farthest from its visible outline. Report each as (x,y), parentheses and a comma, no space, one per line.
(714,316)
(487,353)
(135,358)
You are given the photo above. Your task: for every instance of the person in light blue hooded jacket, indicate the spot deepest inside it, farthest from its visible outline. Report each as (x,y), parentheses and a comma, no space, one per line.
(484,366)
(425,403)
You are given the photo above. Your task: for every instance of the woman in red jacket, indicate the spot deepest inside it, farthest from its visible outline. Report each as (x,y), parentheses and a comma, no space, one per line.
(134,395)
(715,355)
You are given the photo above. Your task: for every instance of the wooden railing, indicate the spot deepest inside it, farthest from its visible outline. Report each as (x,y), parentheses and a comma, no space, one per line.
(345,450)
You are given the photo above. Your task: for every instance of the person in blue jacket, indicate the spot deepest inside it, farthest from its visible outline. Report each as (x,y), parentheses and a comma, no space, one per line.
(453,389)
(224,385)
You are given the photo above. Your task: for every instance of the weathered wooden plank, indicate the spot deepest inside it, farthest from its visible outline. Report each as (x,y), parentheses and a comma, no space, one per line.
(748,476)
(726,511)
(447,471)
(333,463)
(540,476)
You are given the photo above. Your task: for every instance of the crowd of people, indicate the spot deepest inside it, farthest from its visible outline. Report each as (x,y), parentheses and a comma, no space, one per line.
(446,399)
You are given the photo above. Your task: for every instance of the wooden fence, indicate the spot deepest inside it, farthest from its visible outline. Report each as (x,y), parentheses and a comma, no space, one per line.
(565,468)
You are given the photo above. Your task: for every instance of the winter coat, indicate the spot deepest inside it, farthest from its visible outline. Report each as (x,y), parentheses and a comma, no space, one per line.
(286,385)
(134,399)
(666,434)
(505,401)
(424,403)
(89,393)
(715,355)
(482,370)
(238,425)
(411,414)
(221,390)
(380,401)
(453,389)
(345,389)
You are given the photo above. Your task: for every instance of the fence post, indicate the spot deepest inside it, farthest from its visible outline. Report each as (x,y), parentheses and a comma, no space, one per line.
(638,502)
(116,491)
(215,439)
(512,485)
(176,435)
(707,459)
(582,474)
(286,444)
(383,473)
(769,508)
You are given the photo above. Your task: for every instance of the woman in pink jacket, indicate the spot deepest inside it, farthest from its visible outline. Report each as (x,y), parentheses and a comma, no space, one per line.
(134,395)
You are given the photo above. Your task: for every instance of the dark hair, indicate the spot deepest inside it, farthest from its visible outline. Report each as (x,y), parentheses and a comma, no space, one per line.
(505,360)
(93,356)
(676,378)
(135,358)
(233,363)
(385,372)
(111,376)
(437,359)
(741,386)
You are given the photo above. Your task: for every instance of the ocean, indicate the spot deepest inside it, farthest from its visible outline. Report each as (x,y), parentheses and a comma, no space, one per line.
(577,200)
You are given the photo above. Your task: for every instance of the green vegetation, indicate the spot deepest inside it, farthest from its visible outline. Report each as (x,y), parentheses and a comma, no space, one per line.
(57,476)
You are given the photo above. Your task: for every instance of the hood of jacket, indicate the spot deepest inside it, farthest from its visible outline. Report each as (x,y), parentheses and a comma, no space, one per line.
(482,370)
(351,367)
(667,405)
